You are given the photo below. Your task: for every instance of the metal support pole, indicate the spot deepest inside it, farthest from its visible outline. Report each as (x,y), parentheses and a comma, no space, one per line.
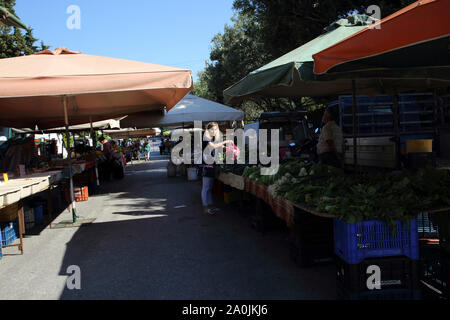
(94,145)
(92,133)
(354,108)
(396,130)
(69,157)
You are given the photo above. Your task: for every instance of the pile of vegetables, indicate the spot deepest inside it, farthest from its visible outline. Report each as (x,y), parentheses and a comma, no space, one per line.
(360,196)
(385,197)
(294,169)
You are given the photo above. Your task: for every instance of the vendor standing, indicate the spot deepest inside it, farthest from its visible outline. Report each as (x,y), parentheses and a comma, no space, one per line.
(108,150)
(330,145)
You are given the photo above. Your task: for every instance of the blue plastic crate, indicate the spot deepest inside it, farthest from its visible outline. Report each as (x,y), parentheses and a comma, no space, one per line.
(38,214)
(1,255)
(373,239)
(9,232)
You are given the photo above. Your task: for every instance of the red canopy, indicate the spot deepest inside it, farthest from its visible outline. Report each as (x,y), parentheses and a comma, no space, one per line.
(416,36)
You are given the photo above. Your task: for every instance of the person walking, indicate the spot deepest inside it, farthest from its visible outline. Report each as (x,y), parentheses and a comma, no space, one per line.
(212,143)
(147,151)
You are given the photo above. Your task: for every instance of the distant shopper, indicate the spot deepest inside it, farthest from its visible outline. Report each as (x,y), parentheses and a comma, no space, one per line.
(211,142)
(329,147)
(108,150)
(113,164)
(161,147)
(147,151)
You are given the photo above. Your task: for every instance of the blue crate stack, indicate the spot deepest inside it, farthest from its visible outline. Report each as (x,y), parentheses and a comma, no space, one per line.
(373,239)
(368,243)
(1,255)
(9,232)
(39,214)
(434,272)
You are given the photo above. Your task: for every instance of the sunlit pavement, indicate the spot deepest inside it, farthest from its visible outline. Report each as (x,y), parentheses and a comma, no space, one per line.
(150,240)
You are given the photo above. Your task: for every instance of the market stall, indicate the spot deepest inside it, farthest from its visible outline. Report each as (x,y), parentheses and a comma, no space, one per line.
(365,218)
(83,88)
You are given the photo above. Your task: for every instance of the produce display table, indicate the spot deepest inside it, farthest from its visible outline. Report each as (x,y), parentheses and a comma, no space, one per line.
(232,180)
(77,167)
(308,209)
(18,189)
(282,208)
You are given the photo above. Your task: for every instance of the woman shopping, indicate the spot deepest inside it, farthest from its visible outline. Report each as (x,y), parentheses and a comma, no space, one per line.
(212,143)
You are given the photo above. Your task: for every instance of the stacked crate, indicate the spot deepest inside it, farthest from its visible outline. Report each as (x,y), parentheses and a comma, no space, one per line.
(9,232)
(375,263)
(311,239)
(434,255)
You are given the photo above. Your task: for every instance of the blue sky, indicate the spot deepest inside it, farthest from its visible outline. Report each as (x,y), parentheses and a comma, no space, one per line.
(174,33)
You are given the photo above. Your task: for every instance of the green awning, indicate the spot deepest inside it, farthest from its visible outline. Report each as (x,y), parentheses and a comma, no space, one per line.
(292,75)
(10,20)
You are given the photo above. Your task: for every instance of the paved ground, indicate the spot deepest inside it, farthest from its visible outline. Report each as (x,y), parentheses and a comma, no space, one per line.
(142,245)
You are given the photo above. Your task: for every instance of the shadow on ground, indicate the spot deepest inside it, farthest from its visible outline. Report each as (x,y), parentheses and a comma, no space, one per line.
(177,252)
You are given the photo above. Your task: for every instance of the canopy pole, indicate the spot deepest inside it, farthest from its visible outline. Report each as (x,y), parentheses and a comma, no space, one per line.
(69,157)
(94,142)
(355,158)
(94,145)
(396,129)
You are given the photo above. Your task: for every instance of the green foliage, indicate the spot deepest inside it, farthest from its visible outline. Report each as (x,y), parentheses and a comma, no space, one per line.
(234,53)
(385,197)
(262,31)
(287,24)
(15,42)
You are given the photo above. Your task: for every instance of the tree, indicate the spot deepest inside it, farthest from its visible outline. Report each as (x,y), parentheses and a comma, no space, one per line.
(262,31)
(13,42)
(235,53)
(287,24)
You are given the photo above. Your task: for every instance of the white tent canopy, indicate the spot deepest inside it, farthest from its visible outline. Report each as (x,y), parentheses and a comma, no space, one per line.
(191,108)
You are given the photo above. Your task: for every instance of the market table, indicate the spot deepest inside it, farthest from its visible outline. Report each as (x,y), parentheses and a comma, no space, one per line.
(282,208)
(233,180)
(16,189)
(311,231)
(19,188)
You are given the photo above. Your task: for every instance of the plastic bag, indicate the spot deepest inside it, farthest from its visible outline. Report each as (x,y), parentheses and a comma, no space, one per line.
(234,151)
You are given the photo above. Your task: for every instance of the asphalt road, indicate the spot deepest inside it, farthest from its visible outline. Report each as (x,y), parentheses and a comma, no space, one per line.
(150,240)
